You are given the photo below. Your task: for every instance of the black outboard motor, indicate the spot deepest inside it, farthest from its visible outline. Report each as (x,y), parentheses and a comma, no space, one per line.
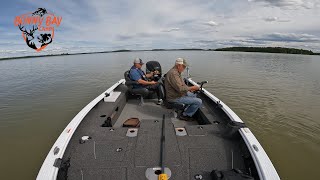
(152,66)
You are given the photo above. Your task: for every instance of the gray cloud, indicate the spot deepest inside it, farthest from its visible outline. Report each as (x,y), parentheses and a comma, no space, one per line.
(272,39)
(171,30)
(124,37)
(284,20)
(290,4)
(275,19)
(204,41)
(211,23)
(236,41)
(270,19)
(288,37)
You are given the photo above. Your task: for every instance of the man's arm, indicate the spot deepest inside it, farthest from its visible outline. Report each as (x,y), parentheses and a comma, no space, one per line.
(136,76)
(176,82)
(143,82)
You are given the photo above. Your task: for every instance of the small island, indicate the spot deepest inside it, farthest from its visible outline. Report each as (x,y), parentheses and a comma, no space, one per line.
(269,50)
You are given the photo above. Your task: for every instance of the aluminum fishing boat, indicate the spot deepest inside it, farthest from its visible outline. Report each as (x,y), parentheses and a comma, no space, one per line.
(123,134)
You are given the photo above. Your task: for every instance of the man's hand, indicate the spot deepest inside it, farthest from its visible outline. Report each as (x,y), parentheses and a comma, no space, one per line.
(153,82)
(149,75)
(194,88)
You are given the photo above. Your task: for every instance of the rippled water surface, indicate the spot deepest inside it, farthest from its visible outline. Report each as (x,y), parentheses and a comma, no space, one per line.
(277,95)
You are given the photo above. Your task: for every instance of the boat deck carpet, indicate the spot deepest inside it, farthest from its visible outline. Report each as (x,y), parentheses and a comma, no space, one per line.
(111,154)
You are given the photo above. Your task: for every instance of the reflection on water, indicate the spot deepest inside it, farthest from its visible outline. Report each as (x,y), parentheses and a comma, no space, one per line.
(278,96)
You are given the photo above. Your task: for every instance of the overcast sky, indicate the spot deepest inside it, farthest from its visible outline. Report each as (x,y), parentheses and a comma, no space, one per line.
(97,25)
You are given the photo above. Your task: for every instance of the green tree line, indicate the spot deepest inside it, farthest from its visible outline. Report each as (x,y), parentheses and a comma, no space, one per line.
(269,50)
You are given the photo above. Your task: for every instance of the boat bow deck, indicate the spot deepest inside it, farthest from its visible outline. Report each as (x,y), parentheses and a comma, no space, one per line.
(111,154)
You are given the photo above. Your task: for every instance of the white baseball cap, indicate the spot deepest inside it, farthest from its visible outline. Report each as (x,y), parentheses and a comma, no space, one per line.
(182,61)
(138,61)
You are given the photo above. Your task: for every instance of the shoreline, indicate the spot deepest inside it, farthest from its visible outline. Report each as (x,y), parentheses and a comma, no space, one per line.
(115,51)
(229,49)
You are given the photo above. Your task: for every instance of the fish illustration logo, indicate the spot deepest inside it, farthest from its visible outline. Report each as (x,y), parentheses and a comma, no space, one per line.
(38,28)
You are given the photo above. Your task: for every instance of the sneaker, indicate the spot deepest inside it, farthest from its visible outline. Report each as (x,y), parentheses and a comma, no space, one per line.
(185,118)
(159,102)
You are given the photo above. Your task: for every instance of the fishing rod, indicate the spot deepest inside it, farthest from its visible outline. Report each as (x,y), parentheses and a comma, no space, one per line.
(162,176)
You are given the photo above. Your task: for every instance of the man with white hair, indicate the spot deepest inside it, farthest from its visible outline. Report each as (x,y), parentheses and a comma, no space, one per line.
(178,91)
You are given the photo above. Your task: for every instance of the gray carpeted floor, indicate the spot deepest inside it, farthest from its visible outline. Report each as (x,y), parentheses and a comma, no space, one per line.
(149,110)
(110,154)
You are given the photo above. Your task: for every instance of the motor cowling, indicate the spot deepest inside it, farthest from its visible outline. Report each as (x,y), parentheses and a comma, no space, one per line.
(152,66)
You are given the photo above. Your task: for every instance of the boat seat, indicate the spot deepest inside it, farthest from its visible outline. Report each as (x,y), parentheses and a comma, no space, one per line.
(177,107)
(140,92)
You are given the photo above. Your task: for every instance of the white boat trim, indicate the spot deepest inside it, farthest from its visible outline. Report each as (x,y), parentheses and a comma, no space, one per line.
(47,170)
(263,163)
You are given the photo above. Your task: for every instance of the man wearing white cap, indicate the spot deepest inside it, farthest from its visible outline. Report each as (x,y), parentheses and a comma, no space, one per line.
(178,91)
(136,74)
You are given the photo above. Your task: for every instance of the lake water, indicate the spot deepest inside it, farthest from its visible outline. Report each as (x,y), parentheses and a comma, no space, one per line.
(276,95)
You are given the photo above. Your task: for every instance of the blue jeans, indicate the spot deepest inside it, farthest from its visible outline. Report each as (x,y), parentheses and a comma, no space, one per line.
(193,103)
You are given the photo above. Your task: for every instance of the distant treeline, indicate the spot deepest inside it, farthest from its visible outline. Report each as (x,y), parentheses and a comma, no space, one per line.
(269,50)
(243,49)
